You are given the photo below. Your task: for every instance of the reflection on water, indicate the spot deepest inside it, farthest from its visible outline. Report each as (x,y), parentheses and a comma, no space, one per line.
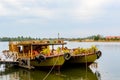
(94,67)
(69,73)
(79,73)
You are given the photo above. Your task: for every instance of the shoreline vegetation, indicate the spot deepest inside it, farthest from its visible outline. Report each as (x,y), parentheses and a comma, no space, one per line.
(94,38)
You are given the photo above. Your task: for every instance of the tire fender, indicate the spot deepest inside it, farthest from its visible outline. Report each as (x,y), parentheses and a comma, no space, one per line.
(99,54)
(40,58)
(67,56)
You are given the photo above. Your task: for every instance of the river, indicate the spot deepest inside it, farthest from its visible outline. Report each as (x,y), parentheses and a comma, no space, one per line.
(105,68)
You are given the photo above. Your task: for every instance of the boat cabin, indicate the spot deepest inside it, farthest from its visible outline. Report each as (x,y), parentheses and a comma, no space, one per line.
(30,49)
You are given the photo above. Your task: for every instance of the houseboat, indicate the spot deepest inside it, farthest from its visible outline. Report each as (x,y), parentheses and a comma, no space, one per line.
(39,53)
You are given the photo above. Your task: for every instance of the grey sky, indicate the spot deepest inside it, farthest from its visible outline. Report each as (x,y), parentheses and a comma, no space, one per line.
(70,18)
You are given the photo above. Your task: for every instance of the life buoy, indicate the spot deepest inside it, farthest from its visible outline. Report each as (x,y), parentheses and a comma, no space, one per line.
(40,58)
(67,56)
(98,53)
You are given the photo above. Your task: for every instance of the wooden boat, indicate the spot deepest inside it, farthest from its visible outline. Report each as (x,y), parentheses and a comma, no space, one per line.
(84,56)
(38,53)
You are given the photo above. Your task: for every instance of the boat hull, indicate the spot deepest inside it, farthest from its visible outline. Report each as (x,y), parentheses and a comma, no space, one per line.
(52,61)
(82,59)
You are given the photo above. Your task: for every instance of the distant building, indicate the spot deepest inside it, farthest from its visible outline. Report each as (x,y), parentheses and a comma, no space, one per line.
(112,37)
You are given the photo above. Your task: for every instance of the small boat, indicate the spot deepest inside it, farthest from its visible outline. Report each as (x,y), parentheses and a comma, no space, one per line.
(84,56)
(38,53)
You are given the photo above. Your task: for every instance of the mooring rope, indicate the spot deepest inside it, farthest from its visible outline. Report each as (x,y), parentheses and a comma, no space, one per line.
(86,64)
(51,69)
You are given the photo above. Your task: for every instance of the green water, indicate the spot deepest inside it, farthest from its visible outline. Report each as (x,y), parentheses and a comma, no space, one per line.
(68,73)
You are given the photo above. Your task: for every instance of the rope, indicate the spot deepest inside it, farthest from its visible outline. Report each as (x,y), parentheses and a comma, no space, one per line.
(51,69)
(86,64)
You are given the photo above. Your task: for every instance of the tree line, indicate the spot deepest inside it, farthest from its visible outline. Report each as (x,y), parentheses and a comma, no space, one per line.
(89,38)
(19,38)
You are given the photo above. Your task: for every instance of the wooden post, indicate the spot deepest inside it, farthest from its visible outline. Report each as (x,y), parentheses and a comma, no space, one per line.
(28,63)
(31,51)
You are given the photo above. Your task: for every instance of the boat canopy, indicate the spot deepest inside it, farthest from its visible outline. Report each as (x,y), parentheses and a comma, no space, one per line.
(42,42)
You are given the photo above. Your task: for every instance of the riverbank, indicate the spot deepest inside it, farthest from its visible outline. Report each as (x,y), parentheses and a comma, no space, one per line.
(93,41)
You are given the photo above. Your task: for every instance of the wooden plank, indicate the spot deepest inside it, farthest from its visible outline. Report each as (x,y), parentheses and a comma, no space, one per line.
(9,62)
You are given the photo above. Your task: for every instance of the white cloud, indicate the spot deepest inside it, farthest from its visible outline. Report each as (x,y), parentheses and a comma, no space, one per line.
(77,9)
(3,11)
(87,9)
(20,8)
(40,12)
(14,3)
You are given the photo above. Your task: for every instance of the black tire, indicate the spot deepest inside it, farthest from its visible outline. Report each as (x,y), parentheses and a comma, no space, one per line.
(99,54)
(40,58)
(67,56)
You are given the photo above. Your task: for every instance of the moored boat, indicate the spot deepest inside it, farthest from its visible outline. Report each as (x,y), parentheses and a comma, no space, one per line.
(84,56)
(38,53)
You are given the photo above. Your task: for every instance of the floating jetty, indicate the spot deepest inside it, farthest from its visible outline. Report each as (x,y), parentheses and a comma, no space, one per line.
(16,63)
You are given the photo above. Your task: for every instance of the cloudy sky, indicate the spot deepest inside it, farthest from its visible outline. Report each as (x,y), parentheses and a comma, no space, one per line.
(70,18)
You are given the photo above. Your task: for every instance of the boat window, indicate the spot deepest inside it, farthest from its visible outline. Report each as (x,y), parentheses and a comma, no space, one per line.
(26,49)
(20,48)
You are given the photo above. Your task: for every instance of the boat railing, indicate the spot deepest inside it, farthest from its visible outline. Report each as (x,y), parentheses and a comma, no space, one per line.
(25,55)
